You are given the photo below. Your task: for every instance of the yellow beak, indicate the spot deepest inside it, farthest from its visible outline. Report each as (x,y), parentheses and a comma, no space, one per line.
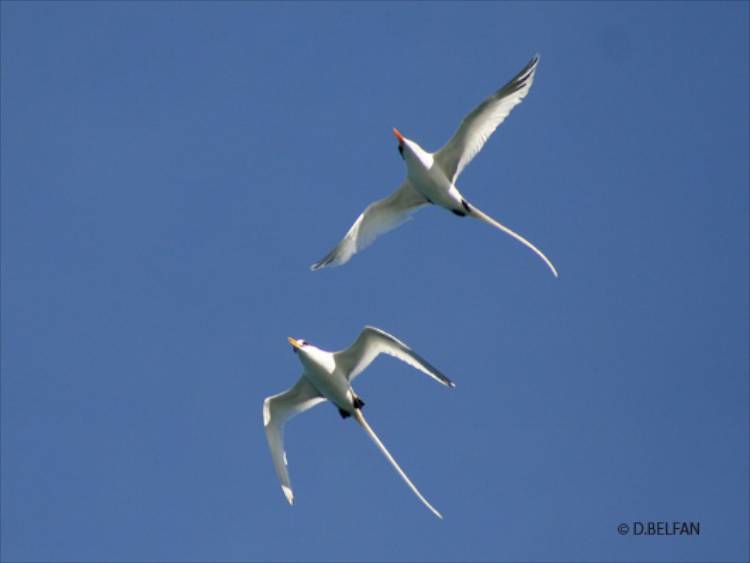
(294,343)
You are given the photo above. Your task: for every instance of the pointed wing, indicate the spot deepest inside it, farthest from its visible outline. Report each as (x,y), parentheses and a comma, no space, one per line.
(372,342)
(477,127)
(277,409)
(378,218)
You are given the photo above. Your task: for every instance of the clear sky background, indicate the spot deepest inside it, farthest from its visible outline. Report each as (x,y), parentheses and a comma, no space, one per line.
(171,170)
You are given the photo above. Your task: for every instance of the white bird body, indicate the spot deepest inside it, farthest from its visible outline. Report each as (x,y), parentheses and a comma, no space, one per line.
(431,177)
(328,376)
(330,381)
(424,174)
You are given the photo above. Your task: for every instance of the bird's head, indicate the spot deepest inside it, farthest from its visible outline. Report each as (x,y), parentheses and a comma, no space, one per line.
(312,356)
(411,152)
(297,344)
(401,142)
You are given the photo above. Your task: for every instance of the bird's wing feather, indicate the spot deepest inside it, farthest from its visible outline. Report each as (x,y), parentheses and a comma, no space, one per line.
(277,409)
(372,342)
(477,127)
(379,217)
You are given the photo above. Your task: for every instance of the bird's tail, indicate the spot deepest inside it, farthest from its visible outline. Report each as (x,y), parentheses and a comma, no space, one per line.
(363,423)
(476,212)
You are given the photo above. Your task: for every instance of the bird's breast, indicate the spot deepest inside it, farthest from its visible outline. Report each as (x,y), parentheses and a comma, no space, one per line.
(435,186)
(332,385)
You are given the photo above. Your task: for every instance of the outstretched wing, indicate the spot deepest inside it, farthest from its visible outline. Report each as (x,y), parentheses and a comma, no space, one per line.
(378,218)
(477,127)
(372,342)
(277,409)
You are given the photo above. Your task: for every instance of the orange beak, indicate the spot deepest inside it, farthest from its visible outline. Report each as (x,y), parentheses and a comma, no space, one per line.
(398,134)
(294,342)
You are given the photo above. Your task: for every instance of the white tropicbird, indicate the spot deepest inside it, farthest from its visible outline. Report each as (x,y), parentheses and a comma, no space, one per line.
(431,177)
(328,375)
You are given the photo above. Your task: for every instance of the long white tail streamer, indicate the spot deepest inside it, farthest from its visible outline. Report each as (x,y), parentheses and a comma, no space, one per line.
(487,219)
(363,423)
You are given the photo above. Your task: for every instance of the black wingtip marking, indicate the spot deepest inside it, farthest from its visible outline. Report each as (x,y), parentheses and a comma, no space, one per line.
(459,213)
(322,263)
(343,413)
(522,78)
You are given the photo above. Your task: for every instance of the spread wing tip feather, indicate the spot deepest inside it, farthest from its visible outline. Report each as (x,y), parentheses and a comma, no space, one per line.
(331,259)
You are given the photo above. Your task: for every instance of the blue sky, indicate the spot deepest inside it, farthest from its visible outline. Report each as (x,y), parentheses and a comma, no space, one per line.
(169,172)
